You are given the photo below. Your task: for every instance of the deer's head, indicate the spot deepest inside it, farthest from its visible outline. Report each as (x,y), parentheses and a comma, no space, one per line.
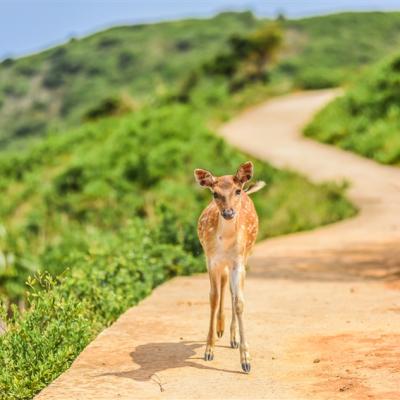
(227,190)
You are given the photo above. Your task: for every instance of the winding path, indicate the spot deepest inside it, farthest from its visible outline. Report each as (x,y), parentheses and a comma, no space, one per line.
(322,307)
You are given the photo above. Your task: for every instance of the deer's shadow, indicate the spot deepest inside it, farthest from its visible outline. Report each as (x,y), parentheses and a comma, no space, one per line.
(156,357)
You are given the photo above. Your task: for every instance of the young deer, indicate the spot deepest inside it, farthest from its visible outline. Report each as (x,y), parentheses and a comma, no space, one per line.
(227,230)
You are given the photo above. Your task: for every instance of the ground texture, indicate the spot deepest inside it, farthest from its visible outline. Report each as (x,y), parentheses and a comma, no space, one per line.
(322,308)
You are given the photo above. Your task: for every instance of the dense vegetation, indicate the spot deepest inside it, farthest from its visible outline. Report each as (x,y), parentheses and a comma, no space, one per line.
(367,118)
(60,87)
(101,175)
(121,68)
(110,274)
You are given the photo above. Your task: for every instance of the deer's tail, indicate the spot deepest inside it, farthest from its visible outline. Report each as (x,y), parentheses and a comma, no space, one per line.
(255,187)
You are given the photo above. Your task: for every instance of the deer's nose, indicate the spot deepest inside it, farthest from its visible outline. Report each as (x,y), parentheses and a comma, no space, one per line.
(228,213)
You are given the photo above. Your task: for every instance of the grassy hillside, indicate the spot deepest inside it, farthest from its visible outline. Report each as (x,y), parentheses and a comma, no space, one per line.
(96,178)
(367,118)
(122,68)
(57,88)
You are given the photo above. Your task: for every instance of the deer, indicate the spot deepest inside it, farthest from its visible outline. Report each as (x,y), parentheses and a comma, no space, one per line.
(227,230)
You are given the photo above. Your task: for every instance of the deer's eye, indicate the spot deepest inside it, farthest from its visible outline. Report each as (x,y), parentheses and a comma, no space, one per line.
(238,192)
(216,195)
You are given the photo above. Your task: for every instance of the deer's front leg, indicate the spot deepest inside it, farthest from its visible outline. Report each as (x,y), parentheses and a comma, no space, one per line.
(237,285)
(234,340)
(221,311)
(215,294)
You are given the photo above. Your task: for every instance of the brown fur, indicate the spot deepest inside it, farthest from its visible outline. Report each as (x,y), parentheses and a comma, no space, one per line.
(246,226)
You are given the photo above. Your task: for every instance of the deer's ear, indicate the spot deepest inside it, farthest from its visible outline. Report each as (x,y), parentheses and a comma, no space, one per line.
(245,172)
(204,177)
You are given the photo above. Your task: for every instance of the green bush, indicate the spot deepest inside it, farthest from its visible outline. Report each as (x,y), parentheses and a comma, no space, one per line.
(367,118)
(248,58)
(314,78)
(108,106)
(16,89)
(109,275)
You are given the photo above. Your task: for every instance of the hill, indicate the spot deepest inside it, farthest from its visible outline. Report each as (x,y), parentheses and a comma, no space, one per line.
(366,119)
(59,88)
(55,89)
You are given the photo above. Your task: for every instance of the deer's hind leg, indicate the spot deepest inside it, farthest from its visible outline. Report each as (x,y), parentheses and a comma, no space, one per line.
(215,298)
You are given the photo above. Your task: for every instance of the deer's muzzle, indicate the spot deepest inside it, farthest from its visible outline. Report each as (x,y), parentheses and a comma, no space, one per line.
(228,213)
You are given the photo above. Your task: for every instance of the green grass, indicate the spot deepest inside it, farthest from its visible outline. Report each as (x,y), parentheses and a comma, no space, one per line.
(366,119)
(56,89)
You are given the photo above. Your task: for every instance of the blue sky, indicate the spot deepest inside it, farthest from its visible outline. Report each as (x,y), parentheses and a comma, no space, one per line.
(27,26)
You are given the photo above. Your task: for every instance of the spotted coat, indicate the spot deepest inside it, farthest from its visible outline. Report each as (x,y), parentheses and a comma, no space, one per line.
(236,240)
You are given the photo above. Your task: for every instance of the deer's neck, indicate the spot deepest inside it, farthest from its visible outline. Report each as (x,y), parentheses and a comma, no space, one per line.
(226,228)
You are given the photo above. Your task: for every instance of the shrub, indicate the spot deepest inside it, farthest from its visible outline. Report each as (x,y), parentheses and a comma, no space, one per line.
(53,80)
(366,119)
(8,62)
(183,45)
(107,42)
(16,89)
(26,128)
(27,69)
(248,57)
(65,314)
(114,105)
(126,60)
(314,78)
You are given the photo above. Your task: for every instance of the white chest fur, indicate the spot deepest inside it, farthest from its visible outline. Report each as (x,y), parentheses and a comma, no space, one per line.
(227,243)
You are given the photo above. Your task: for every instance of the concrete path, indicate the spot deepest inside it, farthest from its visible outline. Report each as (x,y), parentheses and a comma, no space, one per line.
(322,307)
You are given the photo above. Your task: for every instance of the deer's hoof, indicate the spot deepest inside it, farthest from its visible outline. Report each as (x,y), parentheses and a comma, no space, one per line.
(220,333)
(246,367)
(234,344)
(209,355)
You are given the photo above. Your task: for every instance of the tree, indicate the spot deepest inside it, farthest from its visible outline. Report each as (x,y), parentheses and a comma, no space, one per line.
(248,57)
(265,44)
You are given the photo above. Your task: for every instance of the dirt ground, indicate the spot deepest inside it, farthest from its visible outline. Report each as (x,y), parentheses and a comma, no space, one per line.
(322,308)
